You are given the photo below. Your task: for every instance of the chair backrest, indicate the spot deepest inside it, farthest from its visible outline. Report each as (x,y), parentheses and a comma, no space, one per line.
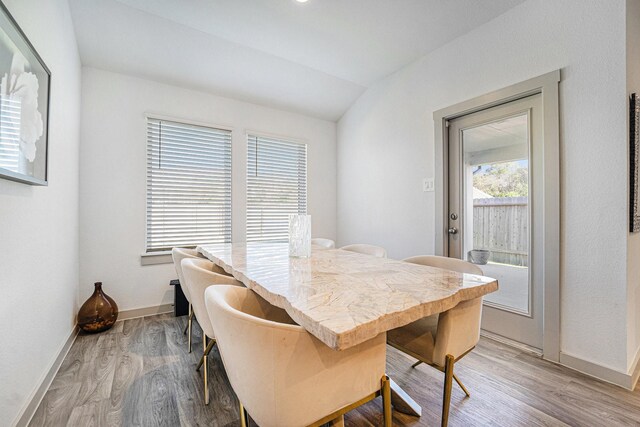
(198,277)
(366,249)
(178,254)
(325,243)
(283,375)
(458,328)
(446,263)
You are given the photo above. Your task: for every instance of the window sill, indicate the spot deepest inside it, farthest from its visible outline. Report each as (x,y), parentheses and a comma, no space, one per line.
(156,258)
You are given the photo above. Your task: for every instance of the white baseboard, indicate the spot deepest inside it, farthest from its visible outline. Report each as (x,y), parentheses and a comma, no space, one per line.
(635,370)
(626,380)
(510,342)
(145,311)
(27,412)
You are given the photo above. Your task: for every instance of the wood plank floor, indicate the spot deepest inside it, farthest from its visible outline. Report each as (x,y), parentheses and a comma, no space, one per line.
(140,374)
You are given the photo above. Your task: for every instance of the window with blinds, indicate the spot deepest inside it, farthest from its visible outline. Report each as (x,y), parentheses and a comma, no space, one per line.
(276,187)
(188,185)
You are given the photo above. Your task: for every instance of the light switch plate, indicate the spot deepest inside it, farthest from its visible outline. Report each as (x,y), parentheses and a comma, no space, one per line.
(428,184)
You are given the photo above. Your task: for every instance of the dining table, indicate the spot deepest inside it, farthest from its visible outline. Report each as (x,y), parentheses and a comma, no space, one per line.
(345,298)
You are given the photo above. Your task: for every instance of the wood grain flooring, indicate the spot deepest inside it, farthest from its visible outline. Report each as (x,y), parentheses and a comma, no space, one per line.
(140,374)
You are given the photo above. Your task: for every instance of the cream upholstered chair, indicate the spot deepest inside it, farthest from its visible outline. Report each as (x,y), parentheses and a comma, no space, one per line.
(198,276)
(441,340)
(284,376)
(445,263)
(178,254)
(366,249)
(325,243)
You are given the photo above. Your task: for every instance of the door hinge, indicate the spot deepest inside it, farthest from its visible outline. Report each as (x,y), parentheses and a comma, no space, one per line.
(446,123)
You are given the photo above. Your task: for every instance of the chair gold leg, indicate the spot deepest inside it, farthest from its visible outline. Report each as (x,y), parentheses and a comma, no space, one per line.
(386,401)
(205,370)
(337,422)
(446,400)
(416,364)
(207,350)
(186,327)
(455,377)
(244,417)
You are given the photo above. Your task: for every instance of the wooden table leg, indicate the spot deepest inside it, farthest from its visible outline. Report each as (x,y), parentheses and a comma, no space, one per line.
(402,402)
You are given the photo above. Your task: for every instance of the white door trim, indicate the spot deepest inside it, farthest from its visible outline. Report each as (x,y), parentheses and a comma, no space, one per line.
(547,86)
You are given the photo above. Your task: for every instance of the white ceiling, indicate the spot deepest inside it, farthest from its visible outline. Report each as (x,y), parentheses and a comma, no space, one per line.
(315,58)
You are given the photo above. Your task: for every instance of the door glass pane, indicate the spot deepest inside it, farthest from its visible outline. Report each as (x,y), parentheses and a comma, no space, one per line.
(495,178)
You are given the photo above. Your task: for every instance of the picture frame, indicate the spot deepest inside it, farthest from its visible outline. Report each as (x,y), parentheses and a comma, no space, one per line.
(634,161)
(25,85)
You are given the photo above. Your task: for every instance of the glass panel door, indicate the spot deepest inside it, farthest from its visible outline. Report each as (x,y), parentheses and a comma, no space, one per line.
(496,198)
(495,166)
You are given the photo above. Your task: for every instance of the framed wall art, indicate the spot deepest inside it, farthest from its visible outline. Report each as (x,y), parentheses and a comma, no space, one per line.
(634,158)
(24,106)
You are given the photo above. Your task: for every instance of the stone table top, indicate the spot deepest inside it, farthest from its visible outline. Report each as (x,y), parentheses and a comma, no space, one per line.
(345,298)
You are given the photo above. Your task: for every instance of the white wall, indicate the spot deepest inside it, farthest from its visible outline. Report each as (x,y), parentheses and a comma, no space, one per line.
(386,146)
(39,225)
(113,170)
(633,247)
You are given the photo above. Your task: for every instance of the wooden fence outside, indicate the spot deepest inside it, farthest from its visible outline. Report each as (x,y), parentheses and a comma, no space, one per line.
(501,225)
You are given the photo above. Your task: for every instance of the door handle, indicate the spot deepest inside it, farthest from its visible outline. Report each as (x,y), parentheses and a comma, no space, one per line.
(453,230)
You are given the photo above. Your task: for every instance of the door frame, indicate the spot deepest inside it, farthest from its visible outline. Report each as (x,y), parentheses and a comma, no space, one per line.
(547,86)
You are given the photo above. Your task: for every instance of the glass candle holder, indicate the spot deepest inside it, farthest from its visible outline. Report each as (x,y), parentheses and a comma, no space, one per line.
(300,236)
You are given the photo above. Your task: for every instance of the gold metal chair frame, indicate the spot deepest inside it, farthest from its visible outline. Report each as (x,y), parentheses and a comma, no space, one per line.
(189,325)
(385,392)
(449,376)
(206,346)
(203,360)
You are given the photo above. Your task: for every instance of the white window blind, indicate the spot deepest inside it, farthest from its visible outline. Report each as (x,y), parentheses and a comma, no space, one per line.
(276,187)
(188,185)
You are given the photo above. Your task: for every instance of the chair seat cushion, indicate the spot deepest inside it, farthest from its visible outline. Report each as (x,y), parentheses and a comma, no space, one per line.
(417,337)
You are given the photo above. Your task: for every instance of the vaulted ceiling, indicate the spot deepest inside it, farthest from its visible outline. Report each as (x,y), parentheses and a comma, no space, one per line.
(315,58)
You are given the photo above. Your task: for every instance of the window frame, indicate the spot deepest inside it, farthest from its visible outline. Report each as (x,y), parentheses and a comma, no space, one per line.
(164,257)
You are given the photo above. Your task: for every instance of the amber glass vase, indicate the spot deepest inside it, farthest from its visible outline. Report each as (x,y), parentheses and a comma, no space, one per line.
(98,313)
